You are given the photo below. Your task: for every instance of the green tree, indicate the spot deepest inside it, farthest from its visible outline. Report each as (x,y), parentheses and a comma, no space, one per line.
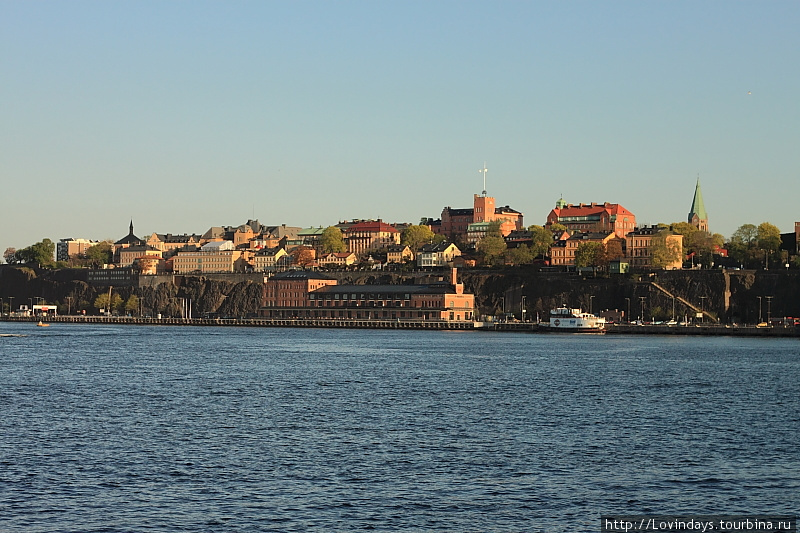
(521,255)
(132,305)
(589,254)
(541,240)
(415,236)
(744,243)
(769,237)
(681,228)
(41,253)
(492,246)
(663,251)
(558,227)
(332,240)
(101,302)
(99,254)
(746,235)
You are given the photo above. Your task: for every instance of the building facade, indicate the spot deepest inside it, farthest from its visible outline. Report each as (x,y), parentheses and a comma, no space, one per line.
(562,252)
(455,222)
(303,294)
(68,248)
(592,218)
(437,255)
(370,235)
(639,248)
(214,256)
(269,259)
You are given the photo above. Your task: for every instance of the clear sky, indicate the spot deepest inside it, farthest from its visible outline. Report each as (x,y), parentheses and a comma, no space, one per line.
(189,114)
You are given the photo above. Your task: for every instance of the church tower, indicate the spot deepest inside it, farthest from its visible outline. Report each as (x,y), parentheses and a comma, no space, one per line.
(697,214)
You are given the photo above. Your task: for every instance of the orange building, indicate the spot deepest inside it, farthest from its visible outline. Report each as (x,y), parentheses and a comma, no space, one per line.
(455,222)
(592,217)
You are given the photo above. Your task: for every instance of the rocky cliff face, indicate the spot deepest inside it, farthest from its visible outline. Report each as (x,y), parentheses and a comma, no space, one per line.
(729,295)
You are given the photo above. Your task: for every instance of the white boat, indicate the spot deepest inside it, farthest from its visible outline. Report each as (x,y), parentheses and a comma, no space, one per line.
(575,320)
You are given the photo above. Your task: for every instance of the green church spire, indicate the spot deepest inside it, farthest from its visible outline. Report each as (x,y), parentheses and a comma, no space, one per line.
(697,214)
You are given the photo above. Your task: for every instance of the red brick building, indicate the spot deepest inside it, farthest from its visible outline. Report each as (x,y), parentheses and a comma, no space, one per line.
(455,222)
(594,218)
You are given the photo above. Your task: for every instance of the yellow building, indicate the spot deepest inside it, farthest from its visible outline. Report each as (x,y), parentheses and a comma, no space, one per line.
(639,248)
(215,256)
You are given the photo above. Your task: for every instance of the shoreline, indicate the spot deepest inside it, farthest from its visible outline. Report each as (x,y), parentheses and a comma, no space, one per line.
(519,327)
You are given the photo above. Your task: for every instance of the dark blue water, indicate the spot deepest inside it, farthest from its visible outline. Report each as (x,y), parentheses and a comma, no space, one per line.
(127,429)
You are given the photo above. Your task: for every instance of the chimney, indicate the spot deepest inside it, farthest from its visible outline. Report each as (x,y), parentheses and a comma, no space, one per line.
(454,280)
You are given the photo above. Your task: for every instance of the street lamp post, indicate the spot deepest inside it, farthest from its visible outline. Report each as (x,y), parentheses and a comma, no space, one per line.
(769,309)
(523,308)
(673,308)
(628,316)
(503,304)
(641,307)
(703,308)
(69,305)
(591,304)
(759,308)
(31,309)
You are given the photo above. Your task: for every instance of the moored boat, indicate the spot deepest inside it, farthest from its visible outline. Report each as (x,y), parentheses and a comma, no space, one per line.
(575,320)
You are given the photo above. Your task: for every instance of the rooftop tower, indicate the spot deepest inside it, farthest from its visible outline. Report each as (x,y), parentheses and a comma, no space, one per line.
(697,214)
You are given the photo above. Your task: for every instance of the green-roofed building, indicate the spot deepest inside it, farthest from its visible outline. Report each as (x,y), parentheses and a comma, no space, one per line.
(697,214)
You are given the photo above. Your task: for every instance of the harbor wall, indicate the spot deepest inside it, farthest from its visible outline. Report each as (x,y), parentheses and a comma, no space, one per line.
(727,296)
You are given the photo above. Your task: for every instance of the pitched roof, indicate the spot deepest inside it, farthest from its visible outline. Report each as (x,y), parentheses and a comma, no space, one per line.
(593,209)
(439,247)
(698,208)
(459,212)
(375,226)
(505,209)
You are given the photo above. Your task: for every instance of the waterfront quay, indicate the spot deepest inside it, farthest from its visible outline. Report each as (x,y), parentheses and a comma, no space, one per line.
(257,322)
(523,327)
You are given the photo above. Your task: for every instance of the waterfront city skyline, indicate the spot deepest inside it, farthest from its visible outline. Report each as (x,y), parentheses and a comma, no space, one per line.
(185,116)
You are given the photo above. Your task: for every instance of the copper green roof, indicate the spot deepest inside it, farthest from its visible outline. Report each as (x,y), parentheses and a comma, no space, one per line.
(698,208)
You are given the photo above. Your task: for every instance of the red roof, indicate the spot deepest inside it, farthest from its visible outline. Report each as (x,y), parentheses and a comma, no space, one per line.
(371,226)
(590,209)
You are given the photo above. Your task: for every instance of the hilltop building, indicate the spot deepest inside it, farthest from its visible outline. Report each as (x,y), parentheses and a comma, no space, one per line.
(169,243)
(639,251)
(697,214)
(127,241)
(562,251)
(370,235)
(455,223)
(67,248)
(214,256)
(592,218)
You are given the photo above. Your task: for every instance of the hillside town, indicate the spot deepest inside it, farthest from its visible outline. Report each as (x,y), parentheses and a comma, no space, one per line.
(295,266)
(596,235)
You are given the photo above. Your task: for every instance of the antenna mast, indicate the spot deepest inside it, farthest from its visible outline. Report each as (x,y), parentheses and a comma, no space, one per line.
(484,170)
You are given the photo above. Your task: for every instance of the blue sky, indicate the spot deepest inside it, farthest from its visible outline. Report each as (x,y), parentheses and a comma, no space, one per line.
(184,115)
